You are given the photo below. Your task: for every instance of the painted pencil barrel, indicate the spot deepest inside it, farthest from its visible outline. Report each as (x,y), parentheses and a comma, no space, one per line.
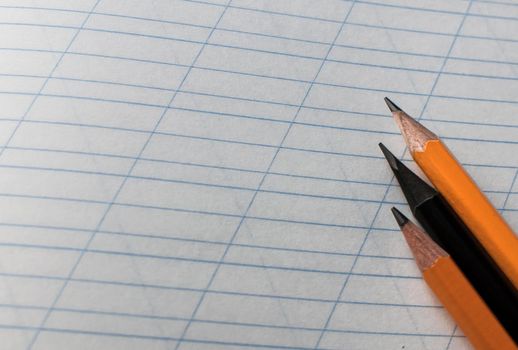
(466,307)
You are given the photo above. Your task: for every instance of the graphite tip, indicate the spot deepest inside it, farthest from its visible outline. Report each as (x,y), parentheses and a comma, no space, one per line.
(415,189)
(400,218)
(391,159)
(415,134)
(392,106)
(425,250)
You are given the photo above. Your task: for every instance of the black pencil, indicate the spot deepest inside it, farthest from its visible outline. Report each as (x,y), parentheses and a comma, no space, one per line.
(447,229)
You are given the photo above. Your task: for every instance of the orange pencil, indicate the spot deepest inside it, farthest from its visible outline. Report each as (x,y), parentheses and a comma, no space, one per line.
(453,290)
(461,192)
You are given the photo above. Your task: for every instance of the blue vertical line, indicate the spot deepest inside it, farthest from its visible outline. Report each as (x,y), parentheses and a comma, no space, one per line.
(123,182)
(450,341)
(243,217)
(346,281)
(49,76)
(508,194)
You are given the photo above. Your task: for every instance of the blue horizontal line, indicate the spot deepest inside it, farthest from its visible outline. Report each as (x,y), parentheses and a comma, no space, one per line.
(322,126)
(206,321)
(420,9)
(202,212)
(249,143)
(304,40)
(219,167)
(184,210)
(138,336)
(417,70)
(144,206)
(496,2)
(268,102)
(212,342)
(315,42)
(271,102)
(370,65)
(452,35)
(256,217)
(108,155)
(152,236)
(251,9)
(338,21)
(258,247)
(263,101)
(192,260)
(282,37)
(478,60)
(197,183)
(88,172)
(297,56)
(348,23)
(205,184)
(175,318)
(345,62)
(185,289)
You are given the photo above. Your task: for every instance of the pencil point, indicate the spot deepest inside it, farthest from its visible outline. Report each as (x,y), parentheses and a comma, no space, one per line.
(425,250)
(392,106)
(415,189)
(415,134)
(400,218)
(391,159)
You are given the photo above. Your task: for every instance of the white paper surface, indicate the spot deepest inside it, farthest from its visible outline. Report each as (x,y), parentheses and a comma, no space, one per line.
(206,175)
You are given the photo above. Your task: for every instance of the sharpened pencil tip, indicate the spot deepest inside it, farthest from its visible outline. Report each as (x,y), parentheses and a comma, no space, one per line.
(415,189)
(400,218)
(425,250)
(415,134)
(392,106)
(391,158)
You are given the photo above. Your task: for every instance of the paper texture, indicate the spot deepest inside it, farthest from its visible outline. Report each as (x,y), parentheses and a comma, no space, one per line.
(206,175)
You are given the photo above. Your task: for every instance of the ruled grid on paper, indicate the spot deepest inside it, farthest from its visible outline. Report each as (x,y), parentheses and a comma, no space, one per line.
(204,174)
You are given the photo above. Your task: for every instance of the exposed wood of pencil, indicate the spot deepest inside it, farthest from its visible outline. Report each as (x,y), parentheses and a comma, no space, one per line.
(461,192)
(454,291)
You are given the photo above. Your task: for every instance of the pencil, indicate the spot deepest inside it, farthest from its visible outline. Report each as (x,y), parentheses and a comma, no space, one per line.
(461,192)
(453,290)
(445,228)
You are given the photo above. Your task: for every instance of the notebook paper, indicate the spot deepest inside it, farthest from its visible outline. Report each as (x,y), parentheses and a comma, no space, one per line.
(205,174)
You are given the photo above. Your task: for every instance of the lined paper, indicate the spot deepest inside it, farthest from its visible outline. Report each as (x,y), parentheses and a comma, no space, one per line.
(204,174)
